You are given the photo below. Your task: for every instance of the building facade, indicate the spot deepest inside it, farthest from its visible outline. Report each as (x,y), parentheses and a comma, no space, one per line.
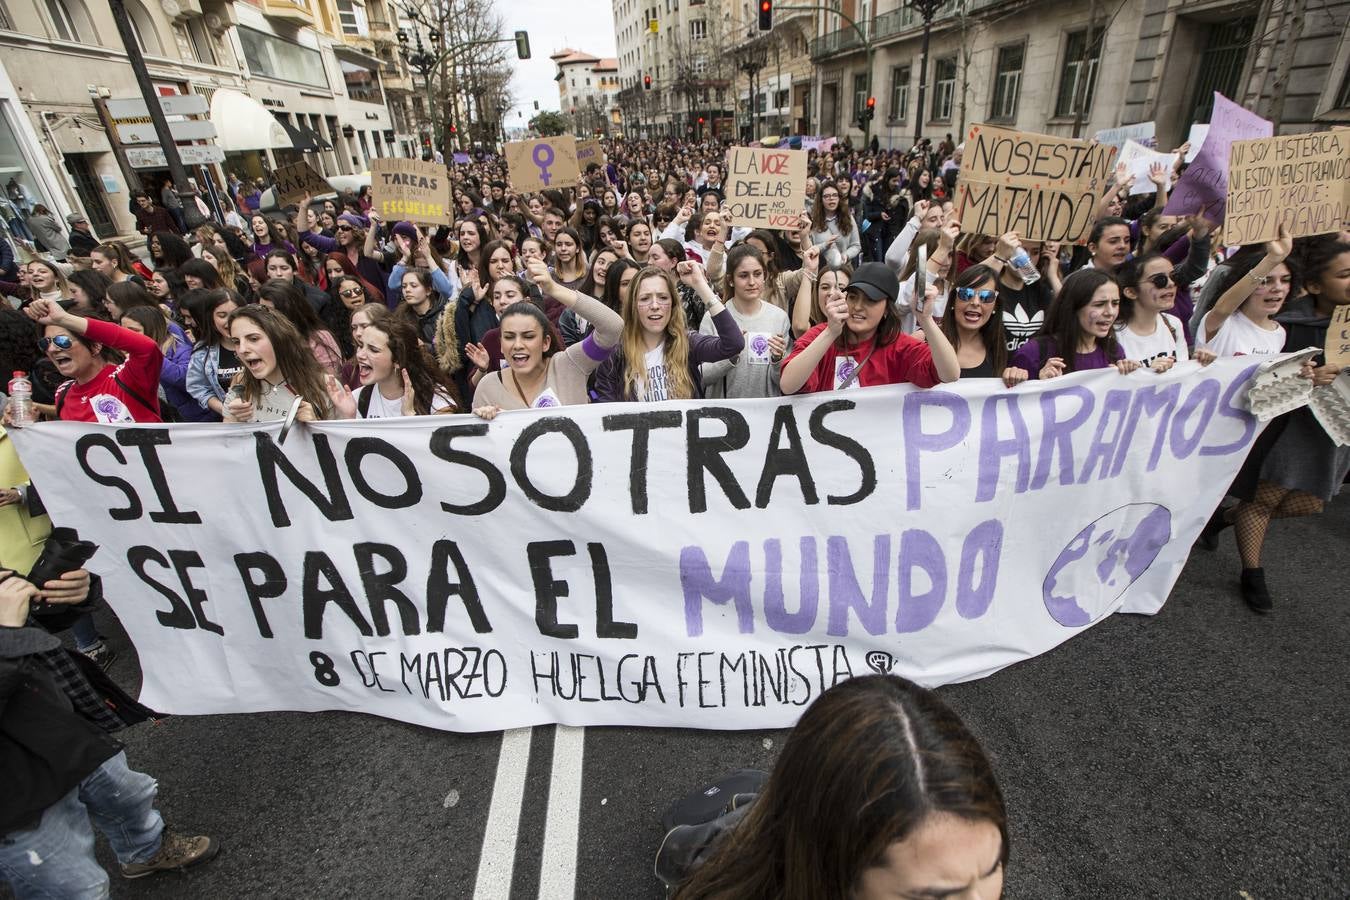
(282,80)
(588,88)
(1077,66)
(685,48)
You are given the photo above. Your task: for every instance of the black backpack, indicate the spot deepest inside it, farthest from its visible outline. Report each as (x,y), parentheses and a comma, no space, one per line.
(694,823)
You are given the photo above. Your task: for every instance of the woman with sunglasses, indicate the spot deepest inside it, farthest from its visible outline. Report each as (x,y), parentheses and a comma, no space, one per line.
(103,386)
(862,342)
(1146,331)
(973,322)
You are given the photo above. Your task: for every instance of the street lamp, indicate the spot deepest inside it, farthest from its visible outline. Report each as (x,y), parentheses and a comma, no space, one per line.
(753,59)
(422,60)
(927,9)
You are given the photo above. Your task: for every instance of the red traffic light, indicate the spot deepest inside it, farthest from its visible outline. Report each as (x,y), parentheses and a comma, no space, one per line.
(765,15)
(700,120)
(647,82)
(871,102)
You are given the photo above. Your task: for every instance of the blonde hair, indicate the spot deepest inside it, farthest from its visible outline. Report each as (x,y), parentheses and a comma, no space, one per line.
(676,350)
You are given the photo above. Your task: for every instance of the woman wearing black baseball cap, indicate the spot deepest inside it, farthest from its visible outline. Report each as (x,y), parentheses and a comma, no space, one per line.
(862,342)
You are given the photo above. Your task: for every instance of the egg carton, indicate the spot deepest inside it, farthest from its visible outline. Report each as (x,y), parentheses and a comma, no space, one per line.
(1330,403)
(1276,388)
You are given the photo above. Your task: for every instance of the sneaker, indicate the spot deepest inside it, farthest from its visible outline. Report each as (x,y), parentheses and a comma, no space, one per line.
(1209,535)
(1255,592)
(176,853)
(101,654)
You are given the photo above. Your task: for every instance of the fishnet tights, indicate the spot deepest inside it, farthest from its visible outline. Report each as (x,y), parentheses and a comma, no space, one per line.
(1252,518)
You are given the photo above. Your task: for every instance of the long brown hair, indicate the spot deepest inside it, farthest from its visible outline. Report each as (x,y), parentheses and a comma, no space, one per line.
(676,352)
(295,360)
(992,335)
(868,763)
(408,352)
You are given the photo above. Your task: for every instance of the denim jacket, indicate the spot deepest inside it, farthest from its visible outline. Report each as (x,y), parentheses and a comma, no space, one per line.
(203,382)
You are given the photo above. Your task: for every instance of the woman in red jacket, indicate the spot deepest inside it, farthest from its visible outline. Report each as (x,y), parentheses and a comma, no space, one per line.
(113,372)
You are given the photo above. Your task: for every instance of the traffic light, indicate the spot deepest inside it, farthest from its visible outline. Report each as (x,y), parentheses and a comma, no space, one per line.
(523,44)
(766,15)
(647,82)
(867,112)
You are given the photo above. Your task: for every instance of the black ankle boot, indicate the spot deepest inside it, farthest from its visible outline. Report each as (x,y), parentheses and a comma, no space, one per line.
(1255,592)
(1209,535)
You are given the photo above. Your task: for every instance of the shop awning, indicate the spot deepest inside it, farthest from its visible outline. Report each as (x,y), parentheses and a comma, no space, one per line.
(304,138)
(243,123)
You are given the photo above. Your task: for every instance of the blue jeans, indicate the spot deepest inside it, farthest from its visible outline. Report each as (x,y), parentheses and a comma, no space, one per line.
(56,859)
(86,633)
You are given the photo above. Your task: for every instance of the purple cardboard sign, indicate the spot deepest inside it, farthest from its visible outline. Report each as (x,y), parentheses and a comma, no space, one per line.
(1204,184)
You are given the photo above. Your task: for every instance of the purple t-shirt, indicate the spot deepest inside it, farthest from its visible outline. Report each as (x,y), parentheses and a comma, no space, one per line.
(1032,357)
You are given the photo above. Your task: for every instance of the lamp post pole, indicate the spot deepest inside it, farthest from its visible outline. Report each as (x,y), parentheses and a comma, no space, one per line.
(927,9)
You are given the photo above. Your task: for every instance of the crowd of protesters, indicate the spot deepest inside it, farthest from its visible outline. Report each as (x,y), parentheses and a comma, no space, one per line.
(638,285)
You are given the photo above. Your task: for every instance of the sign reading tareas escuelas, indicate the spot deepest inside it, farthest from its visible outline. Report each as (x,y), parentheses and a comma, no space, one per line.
(412,190)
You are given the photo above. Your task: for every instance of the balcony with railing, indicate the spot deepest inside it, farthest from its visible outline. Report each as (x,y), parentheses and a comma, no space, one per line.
(893,24)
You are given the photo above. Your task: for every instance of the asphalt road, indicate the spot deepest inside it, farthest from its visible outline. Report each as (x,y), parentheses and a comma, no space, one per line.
(1199,753)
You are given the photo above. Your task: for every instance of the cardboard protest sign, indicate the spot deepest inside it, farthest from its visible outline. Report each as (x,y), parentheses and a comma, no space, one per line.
(1300,181)
(1044,188)
(1204,184)
(295,181)
(549,162)
(766,188)
(1144,134)
(1140,159)
(579,565)
(1338,337)
(589,152)
(411,189)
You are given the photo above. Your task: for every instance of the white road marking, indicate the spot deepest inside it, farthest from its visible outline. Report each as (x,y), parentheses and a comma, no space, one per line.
(558,874)
(497,861)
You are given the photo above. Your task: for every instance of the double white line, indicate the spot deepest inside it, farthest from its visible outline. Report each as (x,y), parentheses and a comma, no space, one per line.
(496,862)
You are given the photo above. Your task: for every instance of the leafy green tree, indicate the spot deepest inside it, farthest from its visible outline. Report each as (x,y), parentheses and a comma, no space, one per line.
(549,123)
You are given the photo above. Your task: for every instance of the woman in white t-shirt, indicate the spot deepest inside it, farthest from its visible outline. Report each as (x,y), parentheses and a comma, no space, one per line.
(398,377)
(1147,333)
(1242,321)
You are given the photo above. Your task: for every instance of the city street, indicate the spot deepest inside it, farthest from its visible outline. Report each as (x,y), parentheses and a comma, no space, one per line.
(1198,753)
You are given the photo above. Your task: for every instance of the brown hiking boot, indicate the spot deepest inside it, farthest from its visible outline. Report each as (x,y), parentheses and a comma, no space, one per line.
(176,852)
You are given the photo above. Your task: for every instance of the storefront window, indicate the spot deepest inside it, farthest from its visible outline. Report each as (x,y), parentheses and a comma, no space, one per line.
(362,84)
(272,57)
(20,189)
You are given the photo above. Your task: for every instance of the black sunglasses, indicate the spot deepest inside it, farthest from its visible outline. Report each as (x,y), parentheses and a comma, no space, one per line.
(62,342)
(985,296)
(344,228)
(1161,280)
(352,292)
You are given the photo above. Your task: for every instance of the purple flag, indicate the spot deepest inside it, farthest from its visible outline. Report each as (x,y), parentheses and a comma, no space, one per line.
(1205,181)
(460,158)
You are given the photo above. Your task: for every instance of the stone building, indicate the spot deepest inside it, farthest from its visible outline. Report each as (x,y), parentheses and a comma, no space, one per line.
(1039,66)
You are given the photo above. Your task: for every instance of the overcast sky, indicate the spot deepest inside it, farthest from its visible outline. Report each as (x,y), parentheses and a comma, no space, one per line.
(553,24)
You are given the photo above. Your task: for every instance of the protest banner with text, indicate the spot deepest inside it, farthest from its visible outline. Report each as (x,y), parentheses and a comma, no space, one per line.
(1299,181)
(685,564)
(1203,187)
(1338,337)
(411,189)
(549,162)
(298,180)
(766,187)
(1042,187)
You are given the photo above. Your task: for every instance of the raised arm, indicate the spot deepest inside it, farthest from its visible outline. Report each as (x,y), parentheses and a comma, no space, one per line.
(1233,298)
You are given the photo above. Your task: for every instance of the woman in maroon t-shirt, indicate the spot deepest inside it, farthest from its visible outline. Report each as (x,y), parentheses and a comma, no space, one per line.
(104,386)
(861,343)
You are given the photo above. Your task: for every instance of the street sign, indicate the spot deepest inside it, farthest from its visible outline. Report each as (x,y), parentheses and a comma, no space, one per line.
(153,157)
(173,105)
(184,130)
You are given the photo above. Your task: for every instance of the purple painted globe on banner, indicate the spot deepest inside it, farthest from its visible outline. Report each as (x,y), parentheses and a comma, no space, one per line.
(1103,560)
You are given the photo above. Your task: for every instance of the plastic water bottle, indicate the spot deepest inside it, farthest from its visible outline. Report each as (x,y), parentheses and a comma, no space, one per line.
(1024,267)
(20,400)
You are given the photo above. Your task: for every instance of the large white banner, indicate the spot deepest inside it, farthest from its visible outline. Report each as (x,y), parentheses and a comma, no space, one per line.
(703,565)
